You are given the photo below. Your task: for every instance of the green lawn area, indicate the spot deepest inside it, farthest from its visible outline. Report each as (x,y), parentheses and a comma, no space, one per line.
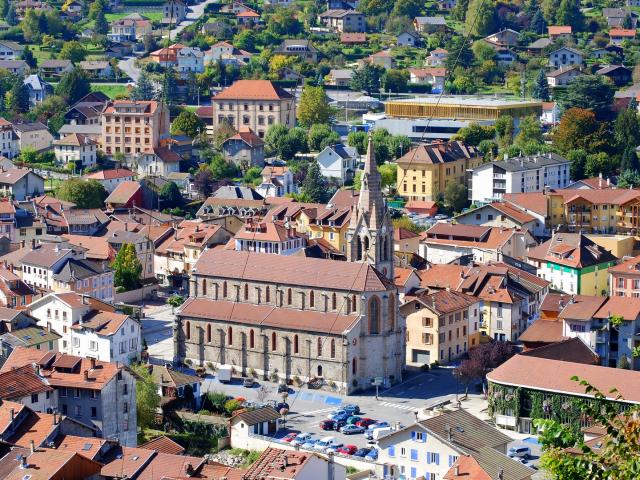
(153,16)
(110,90)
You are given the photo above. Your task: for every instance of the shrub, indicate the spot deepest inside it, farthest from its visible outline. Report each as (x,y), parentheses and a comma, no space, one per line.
(434,365)
(231,406)
(188,362)
(252,373)
(296,380)
(424,368)
(211,366)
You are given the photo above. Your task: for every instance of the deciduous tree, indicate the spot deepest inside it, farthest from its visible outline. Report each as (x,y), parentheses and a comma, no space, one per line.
(84,194)
(187,123)
(147,396)
(73,51)
(126,268)
(314,107)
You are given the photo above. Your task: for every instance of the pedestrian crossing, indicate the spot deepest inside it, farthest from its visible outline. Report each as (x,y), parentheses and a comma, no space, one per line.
(398,406)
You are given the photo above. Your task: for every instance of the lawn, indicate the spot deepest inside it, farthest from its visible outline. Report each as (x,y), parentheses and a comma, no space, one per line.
(110,90)
(153,16)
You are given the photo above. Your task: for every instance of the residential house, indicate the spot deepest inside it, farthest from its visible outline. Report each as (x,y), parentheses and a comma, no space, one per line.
(618,74)
(269,237)
(560,31)
(382,59)
(126,195)
(32,135)
(353,38)
(14,293)
(484,466)
(338,161)
(142,245)
(173,383)
(35,337)
(56,464)
(76,148)
(119,49)
(617,17)
(533,173)
(159,162)
(227,54)
(300,48)
(261,421)
(55,68)
(110,179)
(539,46)
(436,58)
(409,39)
(339,77)
(20,183)
(439,326)
(17,67)
(505,37)
(184,181)
(97,68)
(434,76)
(174,11)
(503,215)
(565,57)
(38,89)
(10,50)
(245,149)
(550,113)
(167,56)
(343,20)
(563,76)
(429,24)
(618,35)
(277,181)
(129,29)
(573,263)
(94,393)
(190,61)
(256,104)
(217,29)
(7,219)
(429,448)
(405,240)
(624,278)
(426,170)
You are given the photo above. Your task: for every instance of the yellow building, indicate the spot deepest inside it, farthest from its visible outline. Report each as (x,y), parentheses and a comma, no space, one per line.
(425,171)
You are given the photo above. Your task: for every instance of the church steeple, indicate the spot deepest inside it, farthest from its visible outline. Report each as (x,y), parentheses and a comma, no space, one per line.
(370,234)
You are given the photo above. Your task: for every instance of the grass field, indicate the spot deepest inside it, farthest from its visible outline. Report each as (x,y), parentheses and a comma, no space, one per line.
(112,91)
(153,16)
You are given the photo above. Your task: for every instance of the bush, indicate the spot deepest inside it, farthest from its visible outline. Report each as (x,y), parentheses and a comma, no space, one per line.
(211,366)
(252,373)
(424,368)
(231,406)
(188,362)
(217,401)
(434,365)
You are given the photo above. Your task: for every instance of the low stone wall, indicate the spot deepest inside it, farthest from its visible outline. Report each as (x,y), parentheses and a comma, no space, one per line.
(133,296)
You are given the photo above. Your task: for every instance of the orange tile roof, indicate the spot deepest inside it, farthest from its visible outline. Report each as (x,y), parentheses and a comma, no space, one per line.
(49,464)
(123,192)
(97,247)
(127,462)
(622,32)
(36,427)
(627,308)
(110,174)
(533,201)
(150,105)
(102,323)
(163,444)
(403,234)
(466,468)
(441,276)
(537,377)
(630,266)
(266,232)
(429,72)
(353,37)
(513,212)
(21,382)
(253,90)
(271,464)
(543,331)
(5,413)
(401,275)
(88,447)
(169,466)
(559,29)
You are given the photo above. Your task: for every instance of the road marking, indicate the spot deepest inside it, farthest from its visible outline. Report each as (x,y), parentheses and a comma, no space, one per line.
(401,407)
(313,412)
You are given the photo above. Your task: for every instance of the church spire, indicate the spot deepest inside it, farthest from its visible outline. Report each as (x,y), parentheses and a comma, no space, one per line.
(371,201)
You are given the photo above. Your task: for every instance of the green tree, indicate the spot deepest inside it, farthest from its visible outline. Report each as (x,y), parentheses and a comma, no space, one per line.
(483,52)
(17,99)
(314,107)
(73,51)
(388,174)
(358,140)
(367,78)
(398,145)
(624,363)
(294,142)
(407,224)
(481,19)
(84,194)
(170,195)
(175,301)
(530,131)
(578,160)
(147,396)
(407,8)
(455,196)
(4,8)
(395,80)
(540,89)
(475,133)
(245,40)
(579,129)
(314,185)
(284,22)
(569,13)
(318,132)
(51,112)
(73,86)
(187,123)
(97,7)
(30,25)
(11,17)
(253,176)
(144,89)
(504,131)
(629,179)
(27,56)
(626,129)
(126,268)
(537,24)
(204,181)
(460,54)
(221,168)
(598,163)
(380,138)
(101,25)
(629,161)
(590,92)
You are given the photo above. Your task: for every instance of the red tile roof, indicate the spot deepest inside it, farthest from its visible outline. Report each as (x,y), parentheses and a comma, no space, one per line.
(48,464)
(253,90)
(622,32)
(163,444)
(627,308)
(271,464)
(123,193)
(21,382)
(559,29)
(543,331)
(353,37)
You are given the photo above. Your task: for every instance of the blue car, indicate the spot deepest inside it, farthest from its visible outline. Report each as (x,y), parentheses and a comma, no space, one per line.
(352,409)
(372,455)
(336,413)
(342,417)
(309,444)
(362,452)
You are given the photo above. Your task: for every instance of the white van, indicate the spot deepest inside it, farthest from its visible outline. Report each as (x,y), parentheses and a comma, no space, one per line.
(325,443)
(379,432)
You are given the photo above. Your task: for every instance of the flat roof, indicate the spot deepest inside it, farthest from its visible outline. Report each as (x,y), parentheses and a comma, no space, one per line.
(467,101)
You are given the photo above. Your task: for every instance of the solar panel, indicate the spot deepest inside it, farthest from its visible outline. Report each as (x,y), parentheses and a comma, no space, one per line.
(87,447)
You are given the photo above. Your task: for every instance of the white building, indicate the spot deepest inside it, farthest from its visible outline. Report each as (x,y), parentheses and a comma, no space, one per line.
(434,76)
(110,179)
(160,162)
(338,161)
(190,60)
(563,76)
(277,181)
(491,181)
(565,57)
(269,237)
(77,148)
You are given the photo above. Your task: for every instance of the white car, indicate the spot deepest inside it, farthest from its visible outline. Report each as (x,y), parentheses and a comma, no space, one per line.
(519,452)
(324,443)
(301,438)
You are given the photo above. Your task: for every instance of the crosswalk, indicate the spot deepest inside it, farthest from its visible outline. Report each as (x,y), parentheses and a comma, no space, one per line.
(398,406)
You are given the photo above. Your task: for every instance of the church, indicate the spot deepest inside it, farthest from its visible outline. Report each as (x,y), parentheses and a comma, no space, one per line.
(333,324)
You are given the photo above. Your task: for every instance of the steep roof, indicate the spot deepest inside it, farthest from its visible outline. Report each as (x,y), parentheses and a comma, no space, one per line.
(163,444)
(571,249)
(21,382)
(123,192)
(436,153)
(488,464)
(253,90)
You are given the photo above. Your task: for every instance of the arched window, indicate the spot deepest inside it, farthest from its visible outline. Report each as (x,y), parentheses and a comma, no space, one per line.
(252,339)
(204,288)
(274,345)
(334,301)
(354,366)
(333,348)
(319,370)
(187,330)
(358,248)
(374,315)
(246,291)
(392,312)
(354,303)
(365,246)
(224,289)
(319,347)
(267,294)
(209,333)
(296,344)
(229,336)
(289,296)
(312,299)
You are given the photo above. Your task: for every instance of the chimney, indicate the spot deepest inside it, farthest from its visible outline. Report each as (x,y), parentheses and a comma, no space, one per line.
(33,446)
(55,418)
(449,433)
(608,182)
(23,461)
(85,300)
(506,156)
(600,180)
(457,471)
(12,412)
(33,244)
(92,362)
(126,227)
(86,375)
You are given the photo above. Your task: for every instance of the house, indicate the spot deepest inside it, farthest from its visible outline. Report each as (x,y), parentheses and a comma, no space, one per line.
(559,31)
(439,326)
(501,214)
(119,49)
(14,293)
(248,18)
(563,76)
(235,8)
(383,59)
(17,67)
(436,58)
(618,35)
(339,77)
(76,148)
(261,421)
(269,237)
(504,55)
(300,48)
(99,395)
(167,56)
(217,29)
(434,76)
(20,183)
(429,448)
(174,11)
(423,207)
(533,173)
(227,54)
(97,68)
(184,181)
(429,24)
(34,337)
(190,60)
(173,383)
(118,236)
(38,89)
(343,20)
(504,38)
(338,161)
(550,113)
(353,38)
(617,17)
(565,57)
(158,162)
(245,149)
(539,45)
(624,278)
(110,179)
(558,387)
(409,39)
(33,135)
(55,464)
(484,466)
(10,50)
(126,194)
(7,220)
(619,74)
(55,68)
(8,141)
(277,181)
(573,263)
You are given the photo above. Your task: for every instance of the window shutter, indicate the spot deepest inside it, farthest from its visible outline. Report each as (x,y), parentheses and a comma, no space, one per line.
(437,459)
(392,451)
(428,458)
(413,436)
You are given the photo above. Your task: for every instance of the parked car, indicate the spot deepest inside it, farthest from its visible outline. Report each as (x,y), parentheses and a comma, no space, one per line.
(301,438)
(335,413)
(362,452)
(309,444)
(328,425)
(324,443)
(348,450)
(376,433)
(351,429)
(365,422)
(372,455)
(378,424)
(289,437)
(248,382)
(440,216)
(353,419)
(352,409)
(341,418)
(334,448)
(339,424)
(519,452)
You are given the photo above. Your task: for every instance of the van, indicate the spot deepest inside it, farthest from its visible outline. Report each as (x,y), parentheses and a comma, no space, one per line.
(374,435)
(326,442)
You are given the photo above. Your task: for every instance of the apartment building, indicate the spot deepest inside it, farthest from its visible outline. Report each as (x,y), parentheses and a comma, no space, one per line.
(76,148)
(490,181)
(133,127)
(344,20)
(624,278)
(439,325)
(256,104)
(269,237)
(426,170)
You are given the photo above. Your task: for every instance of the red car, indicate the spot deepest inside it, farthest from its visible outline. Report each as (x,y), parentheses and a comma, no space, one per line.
(348,450)
(327,425)
(365,422)
(289,437)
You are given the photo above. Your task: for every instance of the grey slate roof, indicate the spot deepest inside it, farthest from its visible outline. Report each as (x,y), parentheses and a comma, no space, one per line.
(530,162)
(238,193)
